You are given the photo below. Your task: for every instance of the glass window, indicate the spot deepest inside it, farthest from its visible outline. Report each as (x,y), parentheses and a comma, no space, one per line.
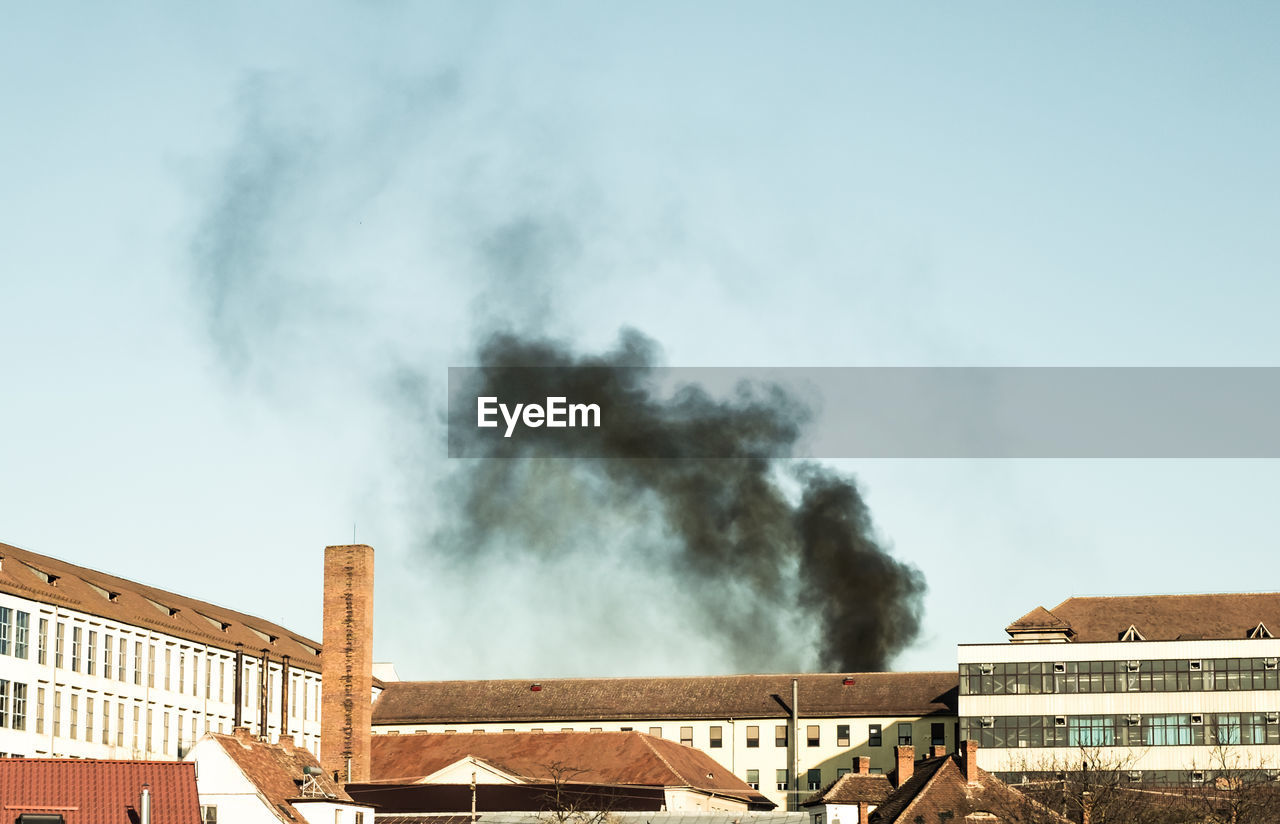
(753,779)
(842,735)
(780,735)
(904,733)
(21,628)
(813,735)
(783,779)
(815,779)
(937,735)
(717,737)
(753,736)
(686,736)
(874,735)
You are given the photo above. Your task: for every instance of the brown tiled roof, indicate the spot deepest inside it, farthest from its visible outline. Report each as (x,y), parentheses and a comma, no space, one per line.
(853,788)
(870,694)
(938,788)
(99,792)
(1169,617)
(625,758)
(1038,618)
(276,771)
(27,575)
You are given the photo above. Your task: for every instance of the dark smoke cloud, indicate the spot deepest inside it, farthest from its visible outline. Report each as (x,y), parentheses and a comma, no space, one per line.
(759,560)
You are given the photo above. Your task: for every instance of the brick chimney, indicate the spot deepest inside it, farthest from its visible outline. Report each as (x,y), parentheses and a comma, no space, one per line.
(906,757)
(969,761)
(242,734)
(937,751)
(346,663)
(286,742)
(862,765)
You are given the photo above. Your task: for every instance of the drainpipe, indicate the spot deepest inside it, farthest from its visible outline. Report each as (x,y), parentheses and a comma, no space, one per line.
(263,683)
(284,695)
(795,745)
(238,715)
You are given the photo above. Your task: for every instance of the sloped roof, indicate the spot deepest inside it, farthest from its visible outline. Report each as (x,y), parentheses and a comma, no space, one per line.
(704,697)
(938,787)
(621,758)
(1219,616)
(101,792)
(26,574)
(277,772)
(853,788)
(1038,619)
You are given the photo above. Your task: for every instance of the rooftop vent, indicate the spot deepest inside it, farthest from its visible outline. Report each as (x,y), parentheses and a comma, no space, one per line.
(535,688)
(848,680)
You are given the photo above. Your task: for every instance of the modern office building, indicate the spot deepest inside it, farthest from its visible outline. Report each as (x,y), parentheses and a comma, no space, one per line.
(744,722)
(97,666)
(1162,688)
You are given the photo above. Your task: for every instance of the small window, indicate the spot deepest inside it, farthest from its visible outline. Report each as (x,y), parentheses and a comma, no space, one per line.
(780,735)
(813,735)
(937,735)
(1197,720)
(986,669)
(904,734)
(842,735)
(1197,777)
(989,721)
(1058,721)
(208,814)
(753,736)
(656,732)
(686,736)
(874,736)
(1060,666)
(815,779)
(753,779)
(1195,666)
(1132,666)
(717,737)
(783,779)
(841,772)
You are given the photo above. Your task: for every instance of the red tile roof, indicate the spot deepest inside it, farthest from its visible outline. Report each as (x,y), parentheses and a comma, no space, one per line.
(615,758)
(49,580)
(277,772)
(99,792)
(937,791)
(870,694)
(853,788)
(1160,617)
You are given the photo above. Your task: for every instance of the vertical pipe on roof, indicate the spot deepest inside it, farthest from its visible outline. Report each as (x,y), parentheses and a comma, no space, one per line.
(284,695)
(793,803)
(238,715)
(144,805)
(263,683)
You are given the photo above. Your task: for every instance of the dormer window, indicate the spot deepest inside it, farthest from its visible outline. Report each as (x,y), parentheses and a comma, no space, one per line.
(1132,634)
(1260,631)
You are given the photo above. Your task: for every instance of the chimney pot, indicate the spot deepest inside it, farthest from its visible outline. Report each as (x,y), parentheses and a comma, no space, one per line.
(906,757)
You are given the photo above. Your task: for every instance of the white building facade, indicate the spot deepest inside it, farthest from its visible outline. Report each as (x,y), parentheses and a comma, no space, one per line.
(1185,687)
(94,666)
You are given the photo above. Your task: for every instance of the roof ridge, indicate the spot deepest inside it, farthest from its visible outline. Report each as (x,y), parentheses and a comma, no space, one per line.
(928,782)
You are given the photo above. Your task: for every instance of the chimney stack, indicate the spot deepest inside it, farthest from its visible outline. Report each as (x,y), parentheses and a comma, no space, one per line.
(969,761)
(346,662)
(862,765)
(906,756)
(938,751)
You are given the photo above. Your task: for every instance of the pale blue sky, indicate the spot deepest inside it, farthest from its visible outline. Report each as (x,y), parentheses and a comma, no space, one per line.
(750,184)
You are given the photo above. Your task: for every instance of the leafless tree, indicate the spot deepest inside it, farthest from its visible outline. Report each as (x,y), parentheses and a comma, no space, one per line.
(564,805)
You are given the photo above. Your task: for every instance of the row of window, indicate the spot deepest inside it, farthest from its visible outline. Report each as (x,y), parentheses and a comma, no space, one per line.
(13,705)
(1147,777)
(1160,730)
(115,659)
(90,719)
(1161,675)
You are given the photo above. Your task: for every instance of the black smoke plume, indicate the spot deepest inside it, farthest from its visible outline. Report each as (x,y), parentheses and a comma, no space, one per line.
(758,558)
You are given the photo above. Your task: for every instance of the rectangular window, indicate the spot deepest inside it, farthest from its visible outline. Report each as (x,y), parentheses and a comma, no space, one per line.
(137,663)
(813,735)
(6,621)
(108,655)
(815,779)
(182,671)
(75,650)
(57,713)
(21,629)
(656,732)
(306,690)
(208,814)
(783,778)
(124,654)
(937,735)
(75,714)
(780,735)
(137,713)
(91,665)
(59,632)
(120,725)
(208,678)
(150,723)
(874,736)
(753,779)
(19,706)
(753,736)
(717,737)
(151,666)
(293,697)
(168,666)
(106,722)
(904,734)
(88,718)
(42,642)
(4,703)
(39,710)
(164,741)
(222,679)
(842,735)
(686,736)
